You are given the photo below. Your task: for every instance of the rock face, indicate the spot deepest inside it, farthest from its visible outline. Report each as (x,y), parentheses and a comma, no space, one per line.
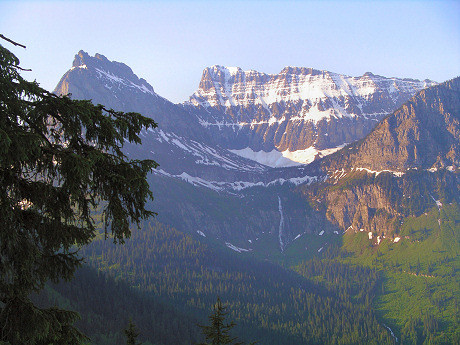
(405,166)
(297,109)
(424,133)
(199,185)
(116,86)
(378,203)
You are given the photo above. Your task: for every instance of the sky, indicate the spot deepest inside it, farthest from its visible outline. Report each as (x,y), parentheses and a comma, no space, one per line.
(169,43)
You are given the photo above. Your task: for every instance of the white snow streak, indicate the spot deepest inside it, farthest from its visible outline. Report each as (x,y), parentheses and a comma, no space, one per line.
(391,332)
(438,202)
(281,226)
(120,81)
(237,185)
(235,248)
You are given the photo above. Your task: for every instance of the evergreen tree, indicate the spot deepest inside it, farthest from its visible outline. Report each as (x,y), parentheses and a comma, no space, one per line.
(131,333)
(218,332)
(59,159)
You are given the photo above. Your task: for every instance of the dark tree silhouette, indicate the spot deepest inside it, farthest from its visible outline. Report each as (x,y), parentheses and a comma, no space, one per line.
(131,334)
(59,159)
(218,331)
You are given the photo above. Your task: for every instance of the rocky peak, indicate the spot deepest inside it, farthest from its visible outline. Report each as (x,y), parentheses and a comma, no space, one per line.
(231,86)
(424,134)
(113,74)
(115,85)
(300,71)
(217,79)
(299,108)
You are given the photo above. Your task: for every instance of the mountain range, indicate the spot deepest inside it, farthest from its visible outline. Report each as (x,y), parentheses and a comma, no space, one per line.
(300,112)
(292,166)
(278,120)
(242,135)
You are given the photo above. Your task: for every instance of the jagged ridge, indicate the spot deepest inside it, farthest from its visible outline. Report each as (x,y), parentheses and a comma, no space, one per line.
(424,133)
(297,109)
(115,85)
(408,164)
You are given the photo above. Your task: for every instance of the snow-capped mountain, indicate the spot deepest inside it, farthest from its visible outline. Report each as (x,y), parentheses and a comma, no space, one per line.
(210,149)
(423,134)
(180,145)
(115,85)
(297,114)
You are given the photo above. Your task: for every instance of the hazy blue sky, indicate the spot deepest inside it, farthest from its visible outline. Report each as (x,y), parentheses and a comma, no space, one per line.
(169,43)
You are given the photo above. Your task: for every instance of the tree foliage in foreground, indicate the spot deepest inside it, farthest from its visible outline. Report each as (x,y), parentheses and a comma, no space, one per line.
(131,334)
(59,159)
(218,331)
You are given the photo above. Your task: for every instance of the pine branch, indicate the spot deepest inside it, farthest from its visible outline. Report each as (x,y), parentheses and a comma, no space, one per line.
(16,44)
(12,42)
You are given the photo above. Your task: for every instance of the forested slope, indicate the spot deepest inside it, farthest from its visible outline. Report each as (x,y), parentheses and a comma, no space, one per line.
(106,304)
(268,302)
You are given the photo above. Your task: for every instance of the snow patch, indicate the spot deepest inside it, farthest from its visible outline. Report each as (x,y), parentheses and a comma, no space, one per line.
(396,173)
(235,248)
(285,158)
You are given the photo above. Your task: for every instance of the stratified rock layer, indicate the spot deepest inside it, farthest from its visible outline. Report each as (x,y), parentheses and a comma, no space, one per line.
(295,109)
(424,133)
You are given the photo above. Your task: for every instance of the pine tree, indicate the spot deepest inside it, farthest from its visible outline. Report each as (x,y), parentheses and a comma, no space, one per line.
(59,159)
(131,333)
(218,332)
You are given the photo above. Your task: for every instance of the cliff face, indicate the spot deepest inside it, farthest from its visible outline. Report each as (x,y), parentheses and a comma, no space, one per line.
(377,203)
(295,109)
(115,85)
(407,165)
(424,133)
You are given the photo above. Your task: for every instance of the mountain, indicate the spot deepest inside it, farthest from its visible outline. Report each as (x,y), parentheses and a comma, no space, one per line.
(395,197)
(192,165)
(299,113)
(389,201)
(114,85)
(424,134)
(245,200)
(408,164)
